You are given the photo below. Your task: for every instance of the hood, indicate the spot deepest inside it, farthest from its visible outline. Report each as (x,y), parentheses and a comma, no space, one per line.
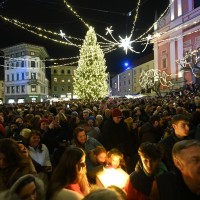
(39,185)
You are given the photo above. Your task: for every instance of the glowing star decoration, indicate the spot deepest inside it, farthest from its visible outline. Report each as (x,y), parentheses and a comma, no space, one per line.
(126,43)
(109,30)
(62,34)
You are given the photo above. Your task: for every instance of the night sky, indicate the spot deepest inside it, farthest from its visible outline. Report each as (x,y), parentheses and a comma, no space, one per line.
(54,15)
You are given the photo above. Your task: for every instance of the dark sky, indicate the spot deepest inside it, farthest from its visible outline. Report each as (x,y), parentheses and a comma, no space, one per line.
(54,15)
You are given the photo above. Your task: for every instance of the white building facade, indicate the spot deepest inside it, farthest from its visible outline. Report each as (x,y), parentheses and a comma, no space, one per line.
(25,74)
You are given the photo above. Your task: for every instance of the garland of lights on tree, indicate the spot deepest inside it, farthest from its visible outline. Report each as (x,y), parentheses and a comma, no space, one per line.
(90,78)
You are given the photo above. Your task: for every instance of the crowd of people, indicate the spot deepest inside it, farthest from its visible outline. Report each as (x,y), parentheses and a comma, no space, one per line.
(55,151)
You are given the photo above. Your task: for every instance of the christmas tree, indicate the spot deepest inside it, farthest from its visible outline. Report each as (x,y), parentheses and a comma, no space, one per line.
(90,78)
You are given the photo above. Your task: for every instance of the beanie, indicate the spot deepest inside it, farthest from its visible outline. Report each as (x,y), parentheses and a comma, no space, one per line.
(91,117)
(116,113)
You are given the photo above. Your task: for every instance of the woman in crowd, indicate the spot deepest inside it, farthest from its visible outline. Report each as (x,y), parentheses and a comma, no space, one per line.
(69,174)
(13,163)
(83,141)
(39,155)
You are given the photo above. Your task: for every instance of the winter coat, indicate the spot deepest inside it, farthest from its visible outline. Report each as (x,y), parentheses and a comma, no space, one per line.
(171,186)
(39,186)
(140,183)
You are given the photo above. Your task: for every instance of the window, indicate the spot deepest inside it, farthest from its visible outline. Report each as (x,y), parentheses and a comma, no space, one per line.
(22,76)
(17,64)
(134,72)
(17,89)
(129,81)
(33,88)
(22,64)
(23,88)
(63,88)
(164,63)
(62,71)
(22,53)
(69,87)
(12,89)
(55,71)
(17,76)
(7,66)
(12,65)
(27,73)
(13,77)
(55,88)
(32,63)
(69,71)
(8,77)
(33,76)
(32,53)
(8,90)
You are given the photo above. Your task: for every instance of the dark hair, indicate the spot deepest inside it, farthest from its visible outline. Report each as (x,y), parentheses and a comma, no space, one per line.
(24,182)
(66,172)
(179,117)
(154,118)
(13,153)
(37,133)
(77,130)
(150,150)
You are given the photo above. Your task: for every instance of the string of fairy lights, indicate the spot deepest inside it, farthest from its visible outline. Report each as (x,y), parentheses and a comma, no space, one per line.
(149,78)
(108,45)
(191,62)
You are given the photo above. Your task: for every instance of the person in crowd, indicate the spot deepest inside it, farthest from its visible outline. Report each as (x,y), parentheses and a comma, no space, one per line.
(25,132)
(28,187)
(20,122)
(70,174)
(2,128)
(151,131)
(158,111)
(147,169)
(86,114)
(115,159)
(170,108)
(74,121)
(97,159)
(184,182)
(115,132)
(13,163)
(99,121)
(180,124)
(83,141)
(14,132)
(128,119)
(92,129)
(39,155)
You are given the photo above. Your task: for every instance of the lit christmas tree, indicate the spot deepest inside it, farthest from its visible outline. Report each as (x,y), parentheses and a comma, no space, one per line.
(90,78)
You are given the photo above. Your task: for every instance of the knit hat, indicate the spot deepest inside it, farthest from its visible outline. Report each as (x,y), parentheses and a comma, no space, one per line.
(74,114)
(116,113)
(91,117)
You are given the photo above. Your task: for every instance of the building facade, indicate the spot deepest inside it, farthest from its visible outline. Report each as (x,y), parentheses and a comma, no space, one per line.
(176,33)
(25,74)
(128,82)
(62,81)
